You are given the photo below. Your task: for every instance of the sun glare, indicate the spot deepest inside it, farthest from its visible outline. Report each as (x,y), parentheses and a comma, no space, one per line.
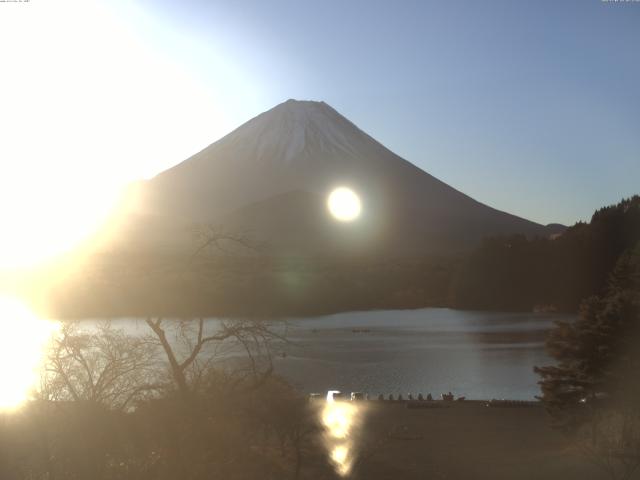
(91,108)
(344,204)
(22,347)
(340,419)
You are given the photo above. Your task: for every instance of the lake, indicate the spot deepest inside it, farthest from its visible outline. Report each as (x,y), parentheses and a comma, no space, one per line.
(480,355)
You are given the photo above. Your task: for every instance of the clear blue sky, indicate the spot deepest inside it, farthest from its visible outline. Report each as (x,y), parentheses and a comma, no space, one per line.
(531,107)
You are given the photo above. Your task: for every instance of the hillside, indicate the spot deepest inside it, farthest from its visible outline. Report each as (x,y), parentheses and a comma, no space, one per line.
(271,177)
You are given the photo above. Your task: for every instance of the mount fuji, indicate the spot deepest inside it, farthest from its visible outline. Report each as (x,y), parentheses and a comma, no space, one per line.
(271,176)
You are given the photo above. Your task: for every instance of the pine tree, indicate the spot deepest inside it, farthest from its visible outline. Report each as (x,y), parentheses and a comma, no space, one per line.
(593,392)
(597,354)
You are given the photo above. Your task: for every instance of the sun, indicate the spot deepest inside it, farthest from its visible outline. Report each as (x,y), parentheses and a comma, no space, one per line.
(344,204)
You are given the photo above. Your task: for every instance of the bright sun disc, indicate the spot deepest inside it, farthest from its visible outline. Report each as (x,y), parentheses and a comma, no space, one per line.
(344,204)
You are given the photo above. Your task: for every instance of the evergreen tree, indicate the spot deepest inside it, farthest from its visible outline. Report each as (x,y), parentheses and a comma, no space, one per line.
(516,273)
(597,355)
(593,393)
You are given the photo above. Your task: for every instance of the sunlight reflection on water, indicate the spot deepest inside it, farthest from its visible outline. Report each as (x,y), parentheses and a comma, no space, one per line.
(22,350)
(341,419)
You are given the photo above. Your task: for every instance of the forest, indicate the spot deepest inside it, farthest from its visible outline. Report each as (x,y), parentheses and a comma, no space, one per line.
(516,273)
(511,273)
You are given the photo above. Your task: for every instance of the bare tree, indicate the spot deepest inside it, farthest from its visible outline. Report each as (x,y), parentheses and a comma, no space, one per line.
(253,337)
(189,357)
(212,239)
(106,367)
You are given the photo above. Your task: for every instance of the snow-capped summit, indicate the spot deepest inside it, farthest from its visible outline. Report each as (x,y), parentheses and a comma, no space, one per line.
(283,133)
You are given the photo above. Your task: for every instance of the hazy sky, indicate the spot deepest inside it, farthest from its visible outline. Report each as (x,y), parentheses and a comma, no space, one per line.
(531,107)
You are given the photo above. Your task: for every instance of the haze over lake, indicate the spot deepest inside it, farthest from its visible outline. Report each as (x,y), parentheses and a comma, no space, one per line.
(480,355)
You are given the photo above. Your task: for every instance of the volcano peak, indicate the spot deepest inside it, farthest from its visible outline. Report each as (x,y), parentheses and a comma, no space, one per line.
(307,146)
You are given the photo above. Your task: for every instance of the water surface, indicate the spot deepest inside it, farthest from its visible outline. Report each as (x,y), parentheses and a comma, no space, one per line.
(480,355)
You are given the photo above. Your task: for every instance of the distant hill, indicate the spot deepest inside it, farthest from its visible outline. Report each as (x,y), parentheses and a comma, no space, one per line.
(271,177)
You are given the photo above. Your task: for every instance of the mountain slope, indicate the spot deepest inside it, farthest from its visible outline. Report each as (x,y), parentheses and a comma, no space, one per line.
(271,177)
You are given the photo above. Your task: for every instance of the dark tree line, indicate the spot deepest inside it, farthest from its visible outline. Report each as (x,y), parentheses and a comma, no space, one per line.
(250,286)
(503,273)
(516,273)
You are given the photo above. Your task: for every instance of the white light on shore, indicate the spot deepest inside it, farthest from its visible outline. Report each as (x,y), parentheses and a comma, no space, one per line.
(340,418)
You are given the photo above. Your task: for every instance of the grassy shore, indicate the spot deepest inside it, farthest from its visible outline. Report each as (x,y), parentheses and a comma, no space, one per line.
(466,440)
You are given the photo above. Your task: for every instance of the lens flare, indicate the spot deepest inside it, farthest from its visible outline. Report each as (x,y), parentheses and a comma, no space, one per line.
(344,204)
(341,420)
